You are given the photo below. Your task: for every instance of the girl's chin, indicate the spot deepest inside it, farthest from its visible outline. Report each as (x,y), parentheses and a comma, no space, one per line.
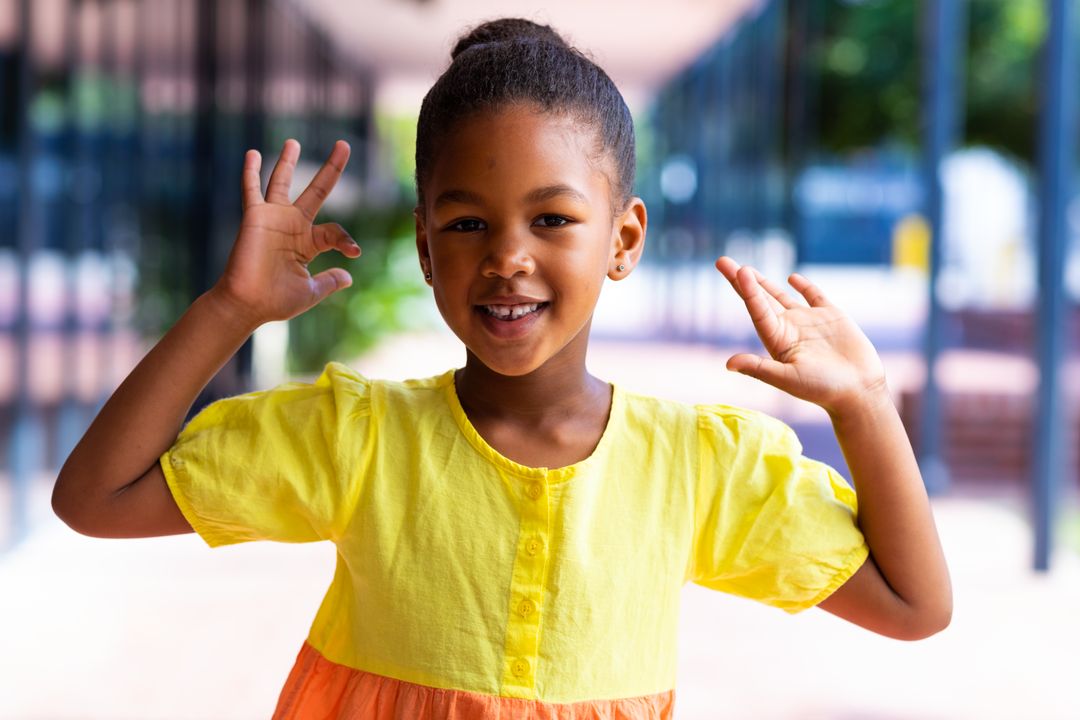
(502,364)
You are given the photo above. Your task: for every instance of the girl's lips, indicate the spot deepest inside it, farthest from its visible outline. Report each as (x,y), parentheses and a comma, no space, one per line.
(509,311)
(513,328)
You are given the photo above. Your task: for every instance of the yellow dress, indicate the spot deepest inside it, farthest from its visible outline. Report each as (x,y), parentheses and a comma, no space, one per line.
(468,585)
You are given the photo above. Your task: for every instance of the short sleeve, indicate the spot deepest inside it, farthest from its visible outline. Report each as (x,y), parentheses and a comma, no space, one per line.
(771,525)
(281,464)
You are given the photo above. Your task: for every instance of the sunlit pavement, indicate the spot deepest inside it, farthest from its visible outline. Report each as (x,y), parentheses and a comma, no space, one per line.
(166,628)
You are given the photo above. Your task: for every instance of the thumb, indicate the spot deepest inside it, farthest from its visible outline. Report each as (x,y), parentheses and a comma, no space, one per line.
(330,281)
(761,368)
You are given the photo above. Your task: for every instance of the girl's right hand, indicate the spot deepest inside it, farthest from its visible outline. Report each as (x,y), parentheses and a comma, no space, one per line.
(266,277)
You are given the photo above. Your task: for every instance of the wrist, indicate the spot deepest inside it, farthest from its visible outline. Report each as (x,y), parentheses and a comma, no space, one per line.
(234,314)
(866,402)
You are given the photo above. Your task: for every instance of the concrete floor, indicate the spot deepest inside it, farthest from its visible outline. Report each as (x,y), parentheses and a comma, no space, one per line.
(165,628)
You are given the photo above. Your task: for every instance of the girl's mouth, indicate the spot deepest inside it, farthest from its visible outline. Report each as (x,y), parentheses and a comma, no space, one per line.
(510,313)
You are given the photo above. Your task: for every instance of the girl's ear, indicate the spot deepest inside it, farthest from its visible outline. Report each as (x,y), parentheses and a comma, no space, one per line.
(422,249)
(628,239)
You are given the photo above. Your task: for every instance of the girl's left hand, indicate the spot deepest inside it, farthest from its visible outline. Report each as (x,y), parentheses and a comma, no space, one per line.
(818,353)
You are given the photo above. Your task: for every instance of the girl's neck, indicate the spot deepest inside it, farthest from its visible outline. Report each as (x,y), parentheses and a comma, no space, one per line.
(559,389)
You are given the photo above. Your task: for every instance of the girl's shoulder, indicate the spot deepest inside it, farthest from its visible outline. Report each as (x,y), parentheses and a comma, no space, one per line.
(338,374)
(704,414)
(711,422)
(382,395)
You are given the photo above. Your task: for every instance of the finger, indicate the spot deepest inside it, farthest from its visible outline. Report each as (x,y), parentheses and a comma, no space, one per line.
(809,290)
(729,268)
(316,192)
(776,291)
(277,190)
(328,282)
(250,183)
(767,370)
(763,315)
(331,236)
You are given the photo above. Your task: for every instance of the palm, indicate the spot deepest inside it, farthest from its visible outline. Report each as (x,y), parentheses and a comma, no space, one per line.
(817,352)
(267,270)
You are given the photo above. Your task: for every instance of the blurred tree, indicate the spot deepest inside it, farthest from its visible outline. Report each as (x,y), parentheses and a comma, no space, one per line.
(387,292)
(866,63)
(865,56)
(1004,40)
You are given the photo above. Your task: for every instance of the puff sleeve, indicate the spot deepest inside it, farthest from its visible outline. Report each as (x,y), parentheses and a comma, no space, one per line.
(282,464)
(771,525)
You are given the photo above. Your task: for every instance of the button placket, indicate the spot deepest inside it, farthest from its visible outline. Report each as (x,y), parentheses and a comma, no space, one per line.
(526,590)
(526,607)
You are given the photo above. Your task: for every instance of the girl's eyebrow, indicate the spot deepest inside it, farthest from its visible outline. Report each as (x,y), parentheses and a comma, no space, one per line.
(463,197)
(548,192)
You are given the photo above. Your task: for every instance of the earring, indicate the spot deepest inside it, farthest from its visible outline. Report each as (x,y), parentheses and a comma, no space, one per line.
(427,276)
(620,268)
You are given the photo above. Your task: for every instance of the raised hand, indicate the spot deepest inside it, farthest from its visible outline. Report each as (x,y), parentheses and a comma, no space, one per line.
(817,352)
(266,277)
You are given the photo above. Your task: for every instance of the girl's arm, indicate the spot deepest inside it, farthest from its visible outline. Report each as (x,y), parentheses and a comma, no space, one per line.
(820,355)
(112,485)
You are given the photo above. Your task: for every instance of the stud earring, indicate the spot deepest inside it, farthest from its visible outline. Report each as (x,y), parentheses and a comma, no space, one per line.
(620,268)
(427,276)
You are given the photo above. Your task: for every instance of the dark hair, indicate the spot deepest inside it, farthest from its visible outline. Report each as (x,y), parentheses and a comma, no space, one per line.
(513,60)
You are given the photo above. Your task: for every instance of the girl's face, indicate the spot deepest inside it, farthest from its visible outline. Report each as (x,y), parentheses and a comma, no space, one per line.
(518,235)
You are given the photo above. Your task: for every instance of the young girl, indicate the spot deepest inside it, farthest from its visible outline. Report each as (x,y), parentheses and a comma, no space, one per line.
(513,536)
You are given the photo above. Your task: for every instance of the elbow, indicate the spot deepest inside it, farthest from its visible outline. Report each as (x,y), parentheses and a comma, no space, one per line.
(70,507)
(925,623)
(63,506)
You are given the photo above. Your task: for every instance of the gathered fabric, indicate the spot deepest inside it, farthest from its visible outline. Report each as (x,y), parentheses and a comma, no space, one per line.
(318,688)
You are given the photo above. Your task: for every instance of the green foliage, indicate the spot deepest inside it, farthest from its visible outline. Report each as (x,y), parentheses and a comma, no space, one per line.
(399,138)
(1003,74)
(387,292)
(866,60)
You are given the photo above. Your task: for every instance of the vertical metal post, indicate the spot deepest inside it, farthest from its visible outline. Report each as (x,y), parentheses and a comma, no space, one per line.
(944,39)
(204,207)
(364,123)
(798,112)
(1057,154)
(254,131)
(71,422)
(27,438)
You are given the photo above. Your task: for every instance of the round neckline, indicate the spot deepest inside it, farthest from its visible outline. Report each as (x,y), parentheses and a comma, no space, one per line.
(551,474)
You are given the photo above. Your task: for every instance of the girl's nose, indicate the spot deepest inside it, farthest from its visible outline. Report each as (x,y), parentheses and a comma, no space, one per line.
(508,255)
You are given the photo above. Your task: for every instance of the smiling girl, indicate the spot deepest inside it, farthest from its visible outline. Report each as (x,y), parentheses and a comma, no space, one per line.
(513,536)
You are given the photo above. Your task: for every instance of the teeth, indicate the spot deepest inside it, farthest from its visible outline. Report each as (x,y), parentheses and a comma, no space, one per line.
(510,312)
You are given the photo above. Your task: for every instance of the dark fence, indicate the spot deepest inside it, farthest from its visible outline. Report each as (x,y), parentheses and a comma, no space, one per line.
(122,135)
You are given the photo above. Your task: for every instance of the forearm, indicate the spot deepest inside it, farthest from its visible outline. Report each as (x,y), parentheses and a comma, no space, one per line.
(894,510)
(146,412)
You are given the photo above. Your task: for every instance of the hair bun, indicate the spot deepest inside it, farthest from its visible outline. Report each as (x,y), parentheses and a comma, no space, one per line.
(503,30)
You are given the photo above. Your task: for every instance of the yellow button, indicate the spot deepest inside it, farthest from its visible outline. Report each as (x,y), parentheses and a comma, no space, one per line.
(534,546)
(526,607)
(520,667)
(535,490)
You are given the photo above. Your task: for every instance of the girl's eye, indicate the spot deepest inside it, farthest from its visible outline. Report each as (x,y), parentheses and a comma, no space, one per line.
(468,225)
(551,221)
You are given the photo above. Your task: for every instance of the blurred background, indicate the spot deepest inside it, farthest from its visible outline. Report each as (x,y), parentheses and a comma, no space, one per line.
(917,160)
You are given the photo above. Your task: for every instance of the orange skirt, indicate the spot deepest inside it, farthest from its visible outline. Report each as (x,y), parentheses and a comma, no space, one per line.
(318,689)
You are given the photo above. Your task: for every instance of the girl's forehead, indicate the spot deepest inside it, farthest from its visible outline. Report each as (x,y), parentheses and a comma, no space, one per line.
(520,123)
(518,142)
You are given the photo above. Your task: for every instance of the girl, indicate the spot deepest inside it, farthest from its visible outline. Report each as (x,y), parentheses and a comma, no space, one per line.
(513,536)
